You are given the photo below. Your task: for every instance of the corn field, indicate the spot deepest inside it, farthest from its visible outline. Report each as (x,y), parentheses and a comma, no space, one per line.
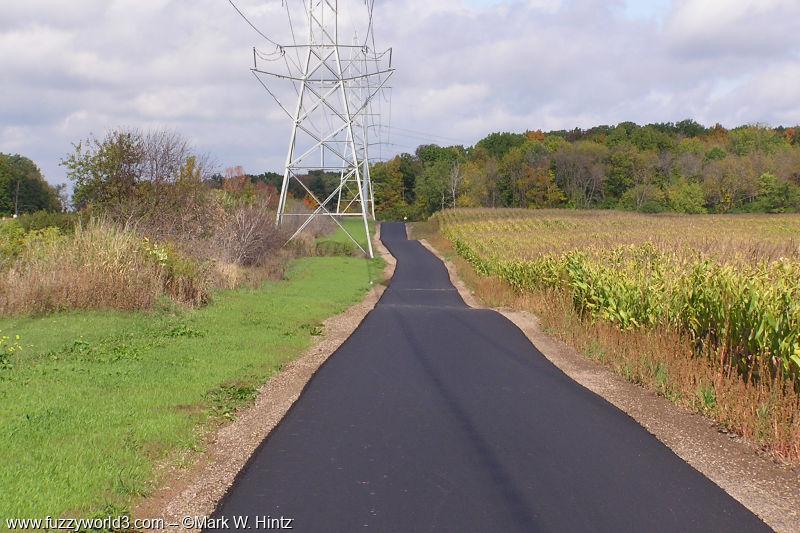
(729,283)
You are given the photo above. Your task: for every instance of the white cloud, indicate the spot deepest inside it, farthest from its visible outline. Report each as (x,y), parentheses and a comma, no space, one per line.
(465,68)
(734,27)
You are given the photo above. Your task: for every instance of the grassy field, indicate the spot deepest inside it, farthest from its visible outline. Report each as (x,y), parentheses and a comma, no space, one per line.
(340,242)
(703,309)
(94,399)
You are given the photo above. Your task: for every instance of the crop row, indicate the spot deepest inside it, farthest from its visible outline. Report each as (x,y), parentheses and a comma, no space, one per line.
(744,313)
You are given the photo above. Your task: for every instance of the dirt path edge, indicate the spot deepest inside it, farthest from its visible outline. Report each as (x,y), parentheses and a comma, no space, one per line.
(196,491)
(768,489)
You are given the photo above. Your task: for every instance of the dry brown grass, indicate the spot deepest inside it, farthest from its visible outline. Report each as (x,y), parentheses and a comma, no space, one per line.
(661,360)
(100,266)
(106,264)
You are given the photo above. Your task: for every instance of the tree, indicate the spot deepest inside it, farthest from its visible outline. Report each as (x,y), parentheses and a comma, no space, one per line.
(389,182)
(23,189)
(455,179)
(432,188)
(580,172)
(650,138)
(106,172)
(646,198)
(684,167)
(497,145)
(519,169)
(749,139)
(153,181)
(475,186)
(541,189)
(428,154)
(626,168)
(777,195)
(690,128)
(728,183)
(686,197)
(63,196)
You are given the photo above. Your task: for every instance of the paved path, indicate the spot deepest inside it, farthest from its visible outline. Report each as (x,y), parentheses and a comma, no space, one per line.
(437,417)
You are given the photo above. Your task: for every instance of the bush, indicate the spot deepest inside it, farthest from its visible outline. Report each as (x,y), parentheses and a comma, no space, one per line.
(12,238)
(327,248)
(686,197)
(645,199)
(65,222)
(248,236)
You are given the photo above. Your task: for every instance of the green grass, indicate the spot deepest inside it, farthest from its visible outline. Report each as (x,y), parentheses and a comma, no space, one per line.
(95,399)
(339,243)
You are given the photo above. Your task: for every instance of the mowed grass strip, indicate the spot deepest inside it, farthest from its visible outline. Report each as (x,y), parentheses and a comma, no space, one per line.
(340,243)
(95,399)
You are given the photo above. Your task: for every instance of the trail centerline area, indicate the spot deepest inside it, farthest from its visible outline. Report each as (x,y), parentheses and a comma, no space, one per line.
(434,416)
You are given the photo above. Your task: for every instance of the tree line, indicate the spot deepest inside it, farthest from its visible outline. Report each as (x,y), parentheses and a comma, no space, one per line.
(681,167)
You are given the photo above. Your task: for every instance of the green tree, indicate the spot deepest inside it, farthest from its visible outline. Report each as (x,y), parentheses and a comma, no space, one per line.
(106,172)
(777,195)
(627,167)
(521,168)
(650,138)
(690,128)
(497,145)
(716,154)
(686,197)
(749,139)
(431,188)
(646,198)
(388,182)
(23,189)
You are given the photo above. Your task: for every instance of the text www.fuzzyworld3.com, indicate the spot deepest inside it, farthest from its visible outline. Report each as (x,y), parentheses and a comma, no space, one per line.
(123,523)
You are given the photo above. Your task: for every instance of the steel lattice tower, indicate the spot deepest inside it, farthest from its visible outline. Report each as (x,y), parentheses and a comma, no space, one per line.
(335,85)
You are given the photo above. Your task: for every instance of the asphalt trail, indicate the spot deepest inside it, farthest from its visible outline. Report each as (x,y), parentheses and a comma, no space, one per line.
(437,417)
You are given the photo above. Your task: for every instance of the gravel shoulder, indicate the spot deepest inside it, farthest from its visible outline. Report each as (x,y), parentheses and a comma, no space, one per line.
(768,489)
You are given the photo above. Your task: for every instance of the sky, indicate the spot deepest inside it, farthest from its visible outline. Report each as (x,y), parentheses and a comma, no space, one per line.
(465,68)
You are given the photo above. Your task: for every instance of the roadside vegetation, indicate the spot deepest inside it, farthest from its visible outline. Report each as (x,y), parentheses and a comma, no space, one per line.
(705,310)
(147,316)
(93,400)
(679,167)
(151,222)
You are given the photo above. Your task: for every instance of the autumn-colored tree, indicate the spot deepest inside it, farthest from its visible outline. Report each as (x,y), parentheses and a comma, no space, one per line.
(683,167)
(580,172)
(541,189)
(388,182)
(537,135)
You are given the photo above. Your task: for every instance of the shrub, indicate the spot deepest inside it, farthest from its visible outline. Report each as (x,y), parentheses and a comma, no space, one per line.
(327,248)
(65,222)
(12,238)
(248,236)
(686,197)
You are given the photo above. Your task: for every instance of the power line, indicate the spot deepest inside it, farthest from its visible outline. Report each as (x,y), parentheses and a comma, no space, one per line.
(428,135)
(419,137)
(252,25)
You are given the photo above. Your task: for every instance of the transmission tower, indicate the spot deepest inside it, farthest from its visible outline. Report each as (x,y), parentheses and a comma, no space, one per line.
(335,85)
